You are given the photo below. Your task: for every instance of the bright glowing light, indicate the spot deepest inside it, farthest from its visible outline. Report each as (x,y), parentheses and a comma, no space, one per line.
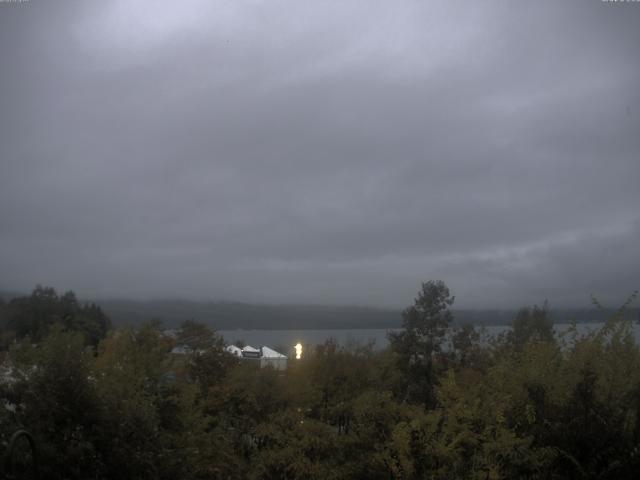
(298,348)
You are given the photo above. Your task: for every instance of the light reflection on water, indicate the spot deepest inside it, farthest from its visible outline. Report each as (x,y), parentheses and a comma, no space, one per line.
(286,339)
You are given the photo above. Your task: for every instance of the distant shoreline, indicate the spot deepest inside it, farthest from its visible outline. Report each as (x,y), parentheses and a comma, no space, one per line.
(247,316)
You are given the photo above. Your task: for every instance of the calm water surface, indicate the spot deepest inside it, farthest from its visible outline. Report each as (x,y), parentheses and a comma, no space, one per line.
(286,339)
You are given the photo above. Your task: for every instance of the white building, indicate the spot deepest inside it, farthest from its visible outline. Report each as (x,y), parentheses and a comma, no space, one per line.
(250,352)
(273,359)
(233,350)
(265,355)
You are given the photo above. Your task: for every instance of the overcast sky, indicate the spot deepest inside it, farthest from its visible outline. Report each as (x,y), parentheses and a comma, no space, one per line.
(333,152)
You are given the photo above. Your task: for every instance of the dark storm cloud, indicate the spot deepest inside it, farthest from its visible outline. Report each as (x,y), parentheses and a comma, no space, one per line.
(321,151)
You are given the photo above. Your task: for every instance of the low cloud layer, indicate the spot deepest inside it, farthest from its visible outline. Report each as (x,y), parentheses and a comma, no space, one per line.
(321,152)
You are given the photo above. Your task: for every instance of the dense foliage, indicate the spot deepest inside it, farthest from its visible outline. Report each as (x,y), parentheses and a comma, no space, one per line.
(34,315)
(434,405)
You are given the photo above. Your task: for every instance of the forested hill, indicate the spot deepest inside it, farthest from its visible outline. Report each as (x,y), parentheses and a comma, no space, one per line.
(231,315)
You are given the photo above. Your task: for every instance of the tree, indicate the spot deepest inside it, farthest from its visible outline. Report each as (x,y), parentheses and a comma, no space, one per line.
(467,350)
(92,322)
(196,336)
(34,316)
(532,324)
(207,362)
(425,325)
(54,393)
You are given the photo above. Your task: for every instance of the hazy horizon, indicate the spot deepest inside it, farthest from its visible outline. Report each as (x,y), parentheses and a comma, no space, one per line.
(7,293)
(325,153)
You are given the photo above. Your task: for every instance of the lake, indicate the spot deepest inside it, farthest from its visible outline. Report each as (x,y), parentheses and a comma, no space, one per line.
(286,339)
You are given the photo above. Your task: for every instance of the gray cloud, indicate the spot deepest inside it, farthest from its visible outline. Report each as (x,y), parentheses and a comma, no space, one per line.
(326,152)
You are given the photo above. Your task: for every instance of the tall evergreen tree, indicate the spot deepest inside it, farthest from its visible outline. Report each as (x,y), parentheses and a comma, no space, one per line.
(425,325)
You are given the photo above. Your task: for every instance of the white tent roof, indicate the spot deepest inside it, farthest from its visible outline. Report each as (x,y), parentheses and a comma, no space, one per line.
(249,348)
(269,353)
